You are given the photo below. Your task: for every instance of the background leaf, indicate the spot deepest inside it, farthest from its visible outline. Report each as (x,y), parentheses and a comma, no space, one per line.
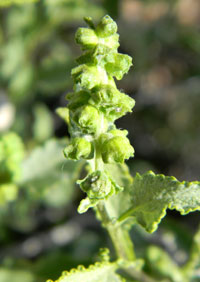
(10,2)
(48,174)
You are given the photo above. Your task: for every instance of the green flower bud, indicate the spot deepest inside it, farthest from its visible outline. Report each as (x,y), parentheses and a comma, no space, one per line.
(112,42)
(77,99)
(105,95)
(86,77)
(78,149)
(103,138)
(106,27)
(87,203)
(111,102)
(87,118)
(116,149)
(99,54)
(118,64)
(86,37)
(97,185)
(118,132)
(124,105)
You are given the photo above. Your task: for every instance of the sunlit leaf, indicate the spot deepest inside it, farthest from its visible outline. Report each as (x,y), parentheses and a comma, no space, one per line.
(151,195)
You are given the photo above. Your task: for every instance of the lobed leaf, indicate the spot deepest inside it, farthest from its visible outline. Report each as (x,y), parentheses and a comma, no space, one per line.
(152,194)
(100,271)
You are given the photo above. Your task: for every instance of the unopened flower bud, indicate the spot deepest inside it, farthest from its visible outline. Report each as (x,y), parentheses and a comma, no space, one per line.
(79,148)
(117,149)
(106,27)
(97,185)
(87,118)
(86,37)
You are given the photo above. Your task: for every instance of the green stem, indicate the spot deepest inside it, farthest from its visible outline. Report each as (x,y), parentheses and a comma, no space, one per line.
(119,236)
(122,243)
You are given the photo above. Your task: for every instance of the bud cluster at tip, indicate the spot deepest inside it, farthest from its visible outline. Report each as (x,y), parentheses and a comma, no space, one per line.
(94,106)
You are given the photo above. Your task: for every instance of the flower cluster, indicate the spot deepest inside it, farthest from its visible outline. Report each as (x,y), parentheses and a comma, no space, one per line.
(94,106)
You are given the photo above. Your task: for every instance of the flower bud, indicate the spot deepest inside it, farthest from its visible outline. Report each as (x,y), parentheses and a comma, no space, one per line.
(86,37)
(111,101)
(118,132)
(79,149)
(86,77)
(116,149)
(87,118)
(97,185)
(77,100)
(106,27)
(118,64)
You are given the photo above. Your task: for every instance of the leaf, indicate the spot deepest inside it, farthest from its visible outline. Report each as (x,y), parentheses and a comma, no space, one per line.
(43,123)
(190,270)
(152,194)
(10,2)
(48,176)
(162,265)
(117,204)
(99,272)
(7,275)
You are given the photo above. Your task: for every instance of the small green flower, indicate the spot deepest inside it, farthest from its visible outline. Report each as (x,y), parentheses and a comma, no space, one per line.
(106,27)
(116,149)
(97,185)
(78,149)
(86,77)
(88,119)
(111,101)
(86,37)
(118,64)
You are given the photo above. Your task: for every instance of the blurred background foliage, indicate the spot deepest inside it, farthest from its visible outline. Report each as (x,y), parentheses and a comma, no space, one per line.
(41,233)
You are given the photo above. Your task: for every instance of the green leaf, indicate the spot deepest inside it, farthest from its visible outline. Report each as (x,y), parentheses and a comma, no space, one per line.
(11,156)
(190,270)
(117,204)
(7,275)
(10,2)
(43,123)
(162,265)
(48,175)
(100,271)
(152,194)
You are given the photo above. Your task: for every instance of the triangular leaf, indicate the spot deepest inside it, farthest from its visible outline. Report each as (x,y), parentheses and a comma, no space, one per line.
(152,194)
